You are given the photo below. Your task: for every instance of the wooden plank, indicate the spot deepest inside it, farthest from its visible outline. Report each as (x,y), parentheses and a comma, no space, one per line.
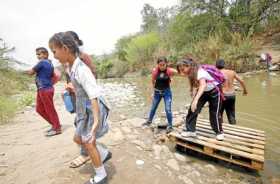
(225,149)
(233,132)
(251,145)
(236,129)
(208,150)
(229,145)
(257,165)
(217,156)
(232,136)
(235,126)
(209,130)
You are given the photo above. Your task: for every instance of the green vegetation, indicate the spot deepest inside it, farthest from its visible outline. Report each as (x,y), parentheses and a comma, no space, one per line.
(15,91)
(207,29)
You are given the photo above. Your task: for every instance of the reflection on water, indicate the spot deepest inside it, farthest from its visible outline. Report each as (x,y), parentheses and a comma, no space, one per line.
(260,109)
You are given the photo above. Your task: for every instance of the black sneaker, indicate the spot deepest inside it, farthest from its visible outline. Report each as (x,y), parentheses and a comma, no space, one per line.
(169,129)
(91,181)
(147,123)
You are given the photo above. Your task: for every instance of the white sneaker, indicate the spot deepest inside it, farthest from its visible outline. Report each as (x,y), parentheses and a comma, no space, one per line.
(188,134)
(220,137)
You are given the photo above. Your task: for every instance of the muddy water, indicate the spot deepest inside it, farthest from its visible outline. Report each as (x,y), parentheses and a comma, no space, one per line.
(131,97)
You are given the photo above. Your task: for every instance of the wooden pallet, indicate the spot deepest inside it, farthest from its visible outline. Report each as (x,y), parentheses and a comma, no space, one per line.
(242,146)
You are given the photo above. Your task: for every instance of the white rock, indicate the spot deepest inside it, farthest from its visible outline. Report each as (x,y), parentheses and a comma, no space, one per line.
(140,162)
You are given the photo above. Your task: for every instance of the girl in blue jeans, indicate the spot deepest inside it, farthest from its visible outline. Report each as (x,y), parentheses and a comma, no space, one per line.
(161,78)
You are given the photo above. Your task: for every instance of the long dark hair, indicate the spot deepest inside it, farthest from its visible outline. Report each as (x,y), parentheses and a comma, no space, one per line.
(194,66)
(61,39)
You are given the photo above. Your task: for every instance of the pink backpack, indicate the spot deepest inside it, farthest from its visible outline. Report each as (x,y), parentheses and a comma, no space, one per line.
(215,73)
(218,77)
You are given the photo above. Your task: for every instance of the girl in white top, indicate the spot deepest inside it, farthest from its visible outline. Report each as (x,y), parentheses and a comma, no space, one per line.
(90,109)
(203,89)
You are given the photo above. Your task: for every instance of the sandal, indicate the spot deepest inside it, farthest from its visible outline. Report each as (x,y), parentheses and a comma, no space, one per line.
(79,161)
(53,133)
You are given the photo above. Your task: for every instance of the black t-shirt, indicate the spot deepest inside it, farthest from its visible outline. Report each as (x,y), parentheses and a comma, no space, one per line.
(162,80)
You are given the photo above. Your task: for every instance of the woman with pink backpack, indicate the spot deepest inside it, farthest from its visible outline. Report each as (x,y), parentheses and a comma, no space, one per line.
(205,86)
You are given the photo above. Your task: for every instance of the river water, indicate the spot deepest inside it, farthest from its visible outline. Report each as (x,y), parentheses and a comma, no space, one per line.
(130,97)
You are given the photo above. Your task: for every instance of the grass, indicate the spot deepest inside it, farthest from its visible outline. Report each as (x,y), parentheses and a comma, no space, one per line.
(15,93)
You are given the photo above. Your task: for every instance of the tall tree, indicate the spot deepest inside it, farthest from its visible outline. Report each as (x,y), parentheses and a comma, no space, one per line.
(150,19)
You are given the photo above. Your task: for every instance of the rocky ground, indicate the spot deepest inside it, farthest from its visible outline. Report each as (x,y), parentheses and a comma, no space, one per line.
(140,155)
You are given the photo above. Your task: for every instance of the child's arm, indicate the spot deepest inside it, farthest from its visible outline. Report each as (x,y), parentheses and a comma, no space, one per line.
(201,88)
(174,72)
(88,82)
(30,72)
(35,69)
(95,110)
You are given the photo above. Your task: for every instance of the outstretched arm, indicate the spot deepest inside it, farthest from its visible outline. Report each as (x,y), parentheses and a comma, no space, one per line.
(245,92)
(174,72)
(30,72)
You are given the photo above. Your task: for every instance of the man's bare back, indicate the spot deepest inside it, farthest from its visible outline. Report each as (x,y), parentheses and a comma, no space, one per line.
(228,87)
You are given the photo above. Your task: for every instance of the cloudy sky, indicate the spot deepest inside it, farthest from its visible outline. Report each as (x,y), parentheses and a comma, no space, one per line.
(27,24)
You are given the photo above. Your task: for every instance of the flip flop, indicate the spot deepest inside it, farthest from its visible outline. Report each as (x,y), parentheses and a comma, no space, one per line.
(79,161)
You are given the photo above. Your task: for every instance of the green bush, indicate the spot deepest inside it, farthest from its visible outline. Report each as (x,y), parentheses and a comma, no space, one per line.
(238,52)
(103,67)
(15,92)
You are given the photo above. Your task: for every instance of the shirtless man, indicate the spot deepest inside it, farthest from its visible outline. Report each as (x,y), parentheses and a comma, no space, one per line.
(228,88)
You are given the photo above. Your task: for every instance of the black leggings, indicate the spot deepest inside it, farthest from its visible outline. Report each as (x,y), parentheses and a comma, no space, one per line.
(229,105)
(214,100)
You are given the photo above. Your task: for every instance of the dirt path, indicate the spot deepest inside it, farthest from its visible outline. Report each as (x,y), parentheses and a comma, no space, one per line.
(28,157)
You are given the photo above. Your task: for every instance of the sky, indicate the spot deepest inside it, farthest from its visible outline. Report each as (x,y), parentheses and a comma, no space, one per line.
(27,24)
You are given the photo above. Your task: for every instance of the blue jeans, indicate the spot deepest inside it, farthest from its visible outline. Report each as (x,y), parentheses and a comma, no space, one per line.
(167,96)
